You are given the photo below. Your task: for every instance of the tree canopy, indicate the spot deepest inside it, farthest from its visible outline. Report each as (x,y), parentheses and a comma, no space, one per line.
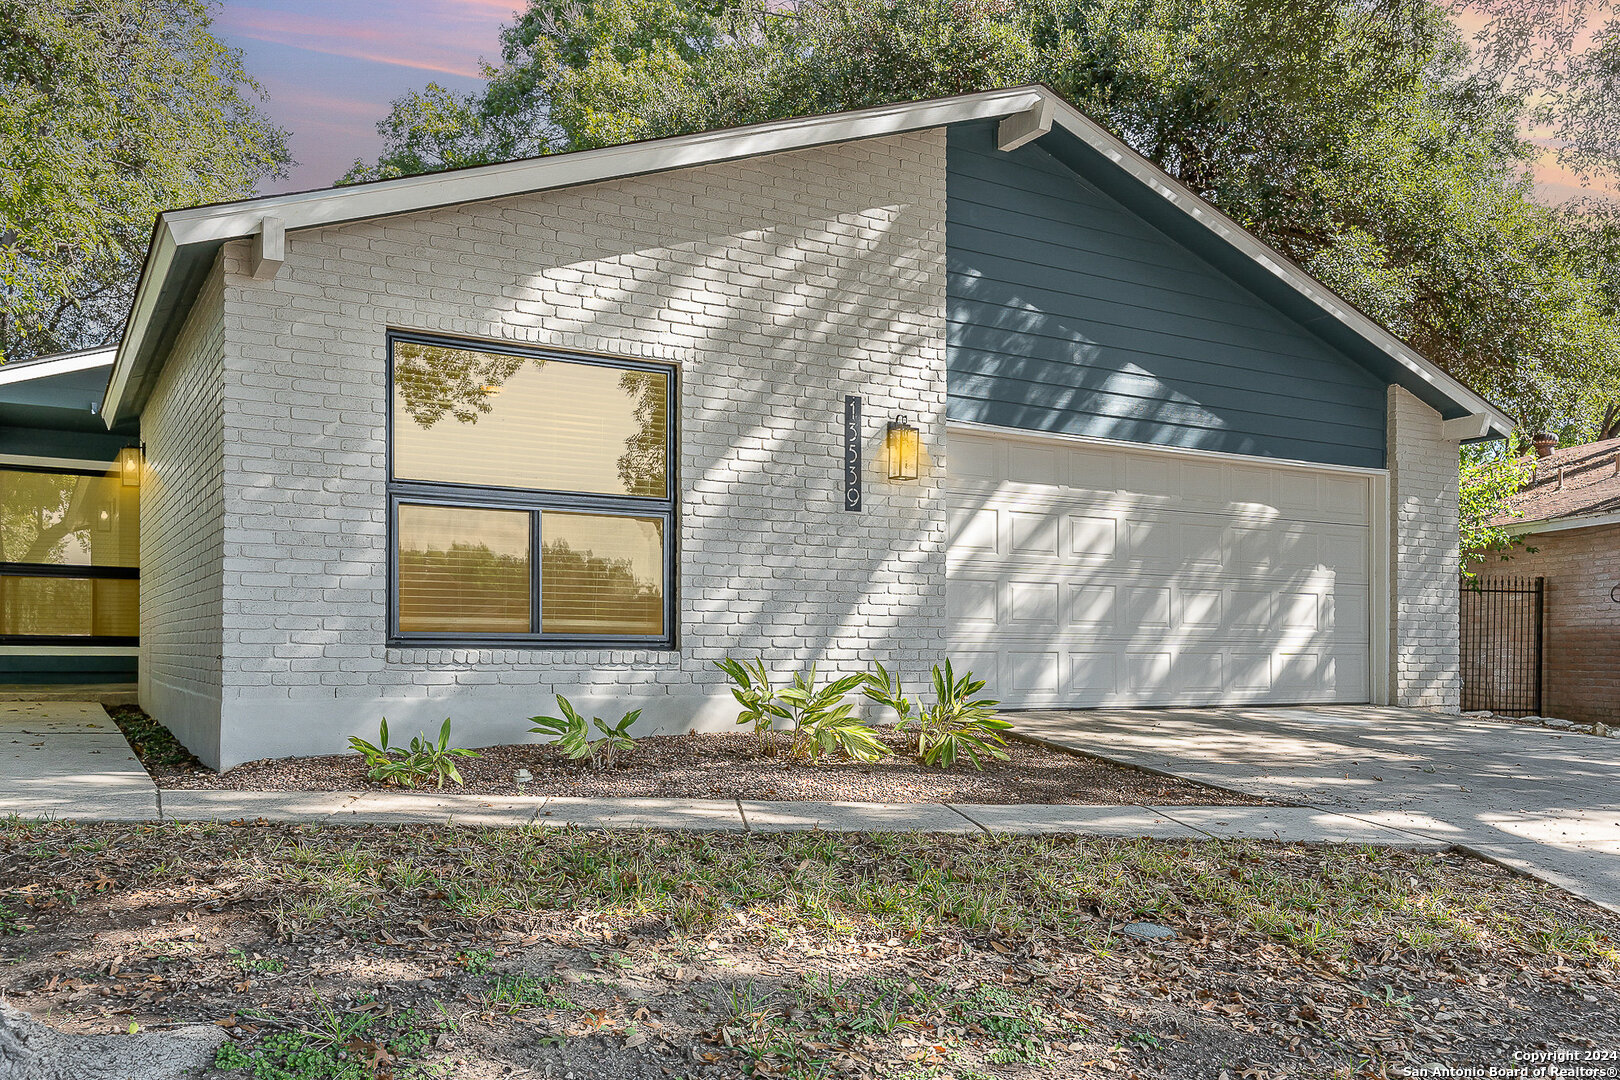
(110,112)
(1369,141)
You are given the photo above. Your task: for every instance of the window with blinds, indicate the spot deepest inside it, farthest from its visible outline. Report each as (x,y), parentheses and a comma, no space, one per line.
(531,495)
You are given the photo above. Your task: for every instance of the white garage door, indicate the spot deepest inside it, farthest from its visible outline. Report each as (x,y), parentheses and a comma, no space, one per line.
(1081,574)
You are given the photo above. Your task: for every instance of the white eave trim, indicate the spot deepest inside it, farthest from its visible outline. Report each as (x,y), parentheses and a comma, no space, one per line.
(29,370)
(1580,521)
(304,210)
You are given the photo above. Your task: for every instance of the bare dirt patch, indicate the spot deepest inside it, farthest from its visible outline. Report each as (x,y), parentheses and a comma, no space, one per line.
(712,766)
(363,953)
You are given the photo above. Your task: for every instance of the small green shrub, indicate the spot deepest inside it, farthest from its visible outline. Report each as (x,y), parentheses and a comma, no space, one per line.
(756,698)
(821,720)
(958,723)
(418,763)
(573,734)
(818,720)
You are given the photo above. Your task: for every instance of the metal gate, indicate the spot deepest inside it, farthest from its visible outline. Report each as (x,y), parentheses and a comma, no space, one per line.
(1501,657)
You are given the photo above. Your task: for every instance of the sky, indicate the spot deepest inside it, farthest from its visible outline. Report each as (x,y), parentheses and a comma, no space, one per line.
(332,67)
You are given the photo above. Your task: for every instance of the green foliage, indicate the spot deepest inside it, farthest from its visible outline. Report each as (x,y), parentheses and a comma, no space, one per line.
(351,1045)
(1360,139)
(819,720)
(1489,479)
(110,111)
(11,922)
(573,734)
(756,698)
(517,993)
(958,723)
(153,743)
(418,763)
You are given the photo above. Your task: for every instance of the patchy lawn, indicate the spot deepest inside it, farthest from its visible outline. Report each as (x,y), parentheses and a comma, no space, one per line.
(355,952)
(705,767)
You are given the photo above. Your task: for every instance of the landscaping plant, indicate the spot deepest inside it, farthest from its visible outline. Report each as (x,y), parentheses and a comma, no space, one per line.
(573,734)
(819,720)
(756,697)
(957,723)
(409,766)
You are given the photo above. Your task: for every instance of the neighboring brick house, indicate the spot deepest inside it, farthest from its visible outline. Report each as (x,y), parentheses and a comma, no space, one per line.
(1568,519)
(452,444)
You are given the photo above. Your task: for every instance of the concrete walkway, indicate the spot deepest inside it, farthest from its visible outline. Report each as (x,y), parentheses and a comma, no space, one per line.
(1390,777)
(67,758)
(1544,802)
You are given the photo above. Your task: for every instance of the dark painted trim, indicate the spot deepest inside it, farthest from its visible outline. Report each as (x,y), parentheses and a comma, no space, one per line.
(535,501)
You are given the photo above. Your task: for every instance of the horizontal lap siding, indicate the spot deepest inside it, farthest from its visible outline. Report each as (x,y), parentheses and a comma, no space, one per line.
(1068,313)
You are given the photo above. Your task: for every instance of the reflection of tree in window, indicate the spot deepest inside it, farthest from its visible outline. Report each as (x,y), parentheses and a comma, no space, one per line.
(435,585)
(67,518)
(642,466)
(581,592)
(435,380)
(35,519)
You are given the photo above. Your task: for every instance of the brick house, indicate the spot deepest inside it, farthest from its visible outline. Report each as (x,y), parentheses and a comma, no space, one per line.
(1570,515)
(961,378)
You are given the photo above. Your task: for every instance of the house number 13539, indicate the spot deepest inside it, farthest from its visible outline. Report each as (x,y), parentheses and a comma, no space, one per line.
(852,452)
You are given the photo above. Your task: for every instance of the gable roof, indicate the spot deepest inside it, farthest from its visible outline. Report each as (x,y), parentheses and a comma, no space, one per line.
(1573,488)
(185,242)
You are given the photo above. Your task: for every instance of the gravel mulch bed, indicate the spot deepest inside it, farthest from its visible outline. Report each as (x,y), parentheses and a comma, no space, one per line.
(713,766)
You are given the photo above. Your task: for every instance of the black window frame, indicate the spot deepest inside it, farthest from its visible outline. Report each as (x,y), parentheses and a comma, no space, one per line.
(535,501)
(75,571)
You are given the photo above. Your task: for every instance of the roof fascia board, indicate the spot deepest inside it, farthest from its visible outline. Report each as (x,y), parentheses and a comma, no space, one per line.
(1177,195)
(29,370)
(1547,525)
(158,260)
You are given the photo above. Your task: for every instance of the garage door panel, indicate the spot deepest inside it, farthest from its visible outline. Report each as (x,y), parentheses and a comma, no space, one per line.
(1150,594)
(1036,465)
(1093,537)
(974,530)
(1034,534)
(971,601)
(1034,605)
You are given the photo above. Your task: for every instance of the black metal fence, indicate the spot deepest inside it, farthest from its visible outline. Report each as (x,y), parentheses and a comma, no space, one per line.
(1502,621)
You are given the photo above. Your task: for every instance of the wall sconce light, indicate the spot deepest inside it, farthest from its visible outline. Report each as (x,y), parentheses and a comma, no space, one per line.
(130,460)
(904,444)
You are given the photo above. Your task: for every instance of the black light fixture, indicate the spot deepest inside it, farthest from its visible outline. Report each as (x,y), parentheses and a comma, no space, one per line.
(904,445)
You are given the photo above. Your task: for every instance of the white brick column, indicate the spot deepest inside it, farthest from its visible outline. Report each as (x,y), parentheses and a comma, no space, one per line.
(1423,542)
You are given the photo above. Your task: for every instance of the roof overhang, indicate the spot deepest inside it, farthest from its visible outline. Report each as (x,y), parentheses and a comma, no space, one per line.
(186,242)
(45,367)
(1561,524)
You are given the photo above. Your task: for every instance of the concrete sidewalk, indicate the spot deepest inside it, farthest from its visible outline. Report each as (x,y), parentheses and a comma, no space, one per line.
(68,760)
(745,815)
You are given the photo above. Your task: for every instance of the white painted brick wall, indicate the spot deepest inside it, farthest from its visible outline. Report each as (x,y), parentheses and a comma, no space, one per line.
(182,523)
(777,285)
(1423,662)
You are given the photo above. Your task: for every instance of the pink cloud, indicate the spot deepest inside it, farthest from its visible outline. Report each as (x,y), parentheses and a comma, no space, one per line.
(418,44)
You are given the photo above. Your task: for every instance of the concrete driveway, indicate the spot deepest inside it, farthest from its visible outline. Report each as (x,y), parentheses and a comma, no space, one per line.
(1543,801)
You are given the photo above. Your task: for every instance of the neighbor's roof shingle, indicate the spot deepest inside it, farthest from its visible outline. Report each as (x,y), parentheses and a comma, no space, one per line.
(1590,485)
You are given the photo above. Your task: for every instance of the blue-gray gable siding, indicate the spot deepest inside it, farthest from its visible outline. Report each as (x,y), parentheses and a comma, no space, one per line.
(1069,313)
